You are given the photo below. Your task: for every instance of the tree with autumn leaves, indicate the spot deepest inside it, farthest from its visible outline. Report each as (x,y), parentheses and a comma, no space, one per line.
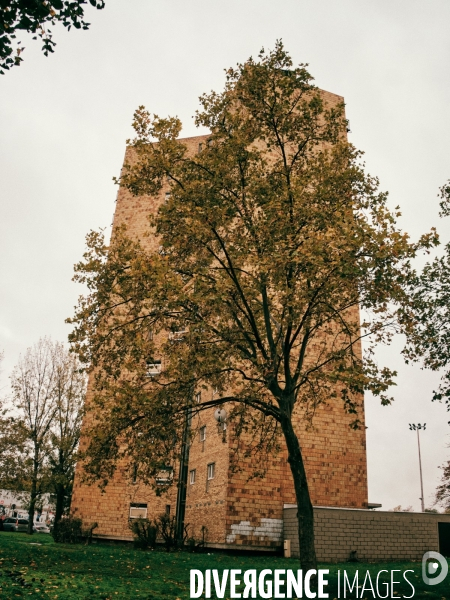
(271,241)
(37,17)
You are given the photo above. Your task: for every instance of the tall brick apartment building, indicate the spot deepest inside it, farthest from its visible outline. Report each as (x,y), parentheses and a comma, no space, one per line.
(225,507)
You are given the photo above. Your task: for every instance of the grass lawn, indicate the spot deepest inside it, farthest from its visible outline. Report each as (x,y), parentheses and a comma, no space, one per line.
(61,571)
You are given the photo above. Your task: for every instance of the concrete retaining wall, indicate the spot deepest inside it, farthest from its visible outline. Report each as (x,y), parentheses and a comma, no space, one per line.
(375,535)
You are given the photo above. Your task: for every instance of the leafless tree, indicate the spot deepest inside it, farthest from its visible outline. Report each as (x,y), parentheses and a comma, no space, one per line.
(70,390)
(48,390)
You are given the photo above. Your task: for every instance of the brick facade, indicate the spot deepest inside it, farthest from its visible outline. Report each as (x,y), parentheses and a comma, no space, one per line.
(230,508)
(376,536)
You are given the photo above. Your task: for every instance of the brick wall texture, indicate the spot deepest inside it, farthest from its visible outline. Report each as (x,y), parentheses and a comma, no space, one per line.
(232,508)
(374,535)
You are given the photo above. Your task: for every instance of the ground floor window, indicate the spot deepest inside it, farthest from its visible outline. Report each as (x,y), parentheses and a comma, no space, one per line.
(138,510)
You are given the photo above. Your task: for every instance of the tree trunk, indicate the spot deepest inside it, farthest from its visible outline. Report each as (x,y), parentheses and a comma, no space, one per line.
(305,511)
(33,497)
(59,505)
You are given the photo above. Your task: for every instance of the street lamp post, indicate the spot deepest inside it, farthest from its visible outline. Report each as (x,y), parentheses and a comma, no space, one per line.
(417,428)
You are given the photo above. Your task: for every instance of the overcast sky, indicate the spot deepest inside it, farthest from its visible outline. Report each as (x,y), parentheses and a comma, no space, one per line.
(64,121)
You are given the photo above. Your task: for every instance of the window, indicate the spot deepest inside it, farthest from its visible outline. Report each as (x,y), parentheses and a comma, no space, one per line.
(138,511)
(164,476)
(134,473)
(166,197)
(192,476)
(167,509)
(198,397)
(153,367)
(177,335)
(200,147)
(444,538)
(211,470)
(203,433)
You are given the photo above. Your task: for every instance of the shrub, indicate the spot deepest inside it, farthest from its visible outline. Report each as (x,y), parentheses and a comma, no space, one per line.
(145,533)
(197,546)
(87,532)
(167,527)
(68,530)
(164,527)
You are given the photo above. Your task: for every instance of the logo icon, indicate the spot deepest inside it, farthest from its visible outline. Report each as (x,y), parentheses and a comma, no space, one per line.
(431,561)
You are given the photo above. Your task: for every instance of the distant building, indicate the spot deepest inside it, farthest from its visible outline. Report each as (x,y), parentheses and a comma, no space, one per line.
(225,507)
(13,504)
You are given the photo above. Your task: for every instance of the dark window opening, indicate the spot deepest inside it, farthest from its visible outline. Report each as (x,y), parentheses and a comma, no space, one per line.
(444,538)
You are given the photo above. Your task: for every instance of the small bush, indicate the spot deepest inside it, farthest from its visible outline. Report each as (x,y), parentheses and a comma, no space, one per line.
(196,546)
(164,528)
(68,531)
(87,532)
(191,544)
(145,533)
(167,527)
